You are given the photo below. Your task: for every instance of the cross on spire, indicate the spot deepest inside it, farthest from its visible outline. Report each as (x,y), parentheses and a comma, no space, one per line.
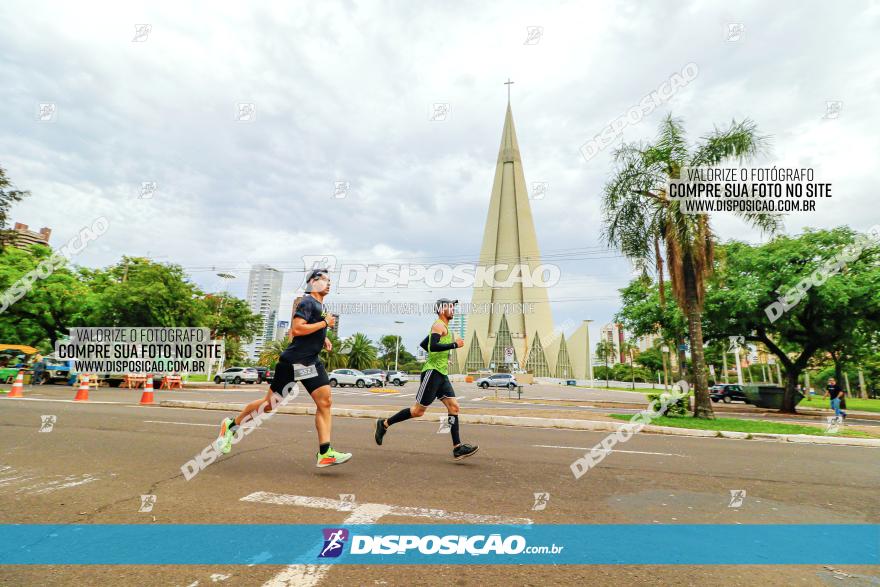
(508,83)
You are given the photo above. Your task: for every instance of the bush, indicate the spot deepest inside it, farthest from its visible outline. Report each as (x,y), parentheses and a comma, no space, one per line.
(676,409)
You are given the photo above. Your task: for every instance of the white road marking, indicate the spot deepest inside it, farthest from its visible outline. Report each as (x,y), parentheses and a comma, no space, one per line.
(51,486)
(44,486)
(635,452)
(365,513)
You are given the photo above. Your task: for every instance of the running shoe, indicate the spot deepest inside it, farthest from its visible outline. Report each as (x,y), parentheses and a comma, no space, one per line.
(332,457)
(463,451)
(224,442)
(380,431)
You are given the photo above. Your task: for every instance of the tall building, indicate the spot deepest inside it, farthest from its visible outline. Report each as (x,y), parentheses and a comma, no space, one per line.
(458,325)
(613,333)
(647,341)
(263,298)
(514,333)
(21,237)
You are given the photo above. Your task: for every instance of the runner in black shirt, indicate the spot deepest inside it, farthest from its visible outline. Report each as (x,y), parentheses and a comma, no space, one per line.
(300,363)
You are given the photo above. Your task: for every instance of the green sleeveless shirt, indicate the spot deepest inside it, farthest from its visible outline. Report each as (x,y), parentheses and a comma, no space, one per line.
(438,360)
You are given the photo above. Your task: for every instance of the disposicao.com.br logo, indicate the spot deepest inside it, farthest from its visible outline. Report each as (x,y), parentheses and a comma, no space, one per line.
(476,545)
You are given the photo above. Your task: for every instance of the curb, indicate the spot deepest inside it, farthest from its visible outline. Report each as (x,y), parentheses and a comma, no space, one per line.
(561,423)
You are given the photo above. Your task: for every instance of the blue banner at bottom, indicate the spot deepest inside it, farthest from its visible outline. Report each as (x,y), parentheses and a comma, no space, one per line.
(432,544)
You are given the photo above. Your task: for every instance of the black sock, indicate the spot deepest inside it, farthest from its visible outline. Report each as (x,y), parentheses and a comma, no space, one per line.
(233,426)
(453,429)
(404,414)
(323,448)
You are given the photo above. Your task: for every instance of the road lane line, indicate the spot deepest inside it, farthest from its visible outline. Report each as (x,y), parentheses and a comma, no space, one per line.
(635,452)
(366,513)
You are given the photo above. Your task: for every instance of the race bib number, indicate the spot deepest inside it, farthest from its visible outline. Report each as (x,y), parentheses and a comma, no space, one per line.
(304,371)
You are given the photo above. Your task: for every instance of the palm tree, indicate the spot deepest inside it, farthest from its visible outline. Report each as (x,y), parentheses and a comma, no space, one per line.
(335,358)
(360,352)
(271,352)
(604,352)
(642,221)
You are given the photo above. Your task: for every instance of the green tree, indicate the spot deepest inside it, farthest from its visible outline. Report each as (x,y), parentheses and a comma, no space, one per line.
(605,353)
(50,306)
(644,312)
(271,353)
(753,283)
(652,359)
(336,357)
(8,196)
(360,352)
(641,220)
(140,293)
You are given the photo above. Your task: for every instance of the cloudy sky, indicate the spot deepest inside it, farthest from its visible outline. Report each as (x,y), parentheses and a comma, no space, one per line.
(345,91)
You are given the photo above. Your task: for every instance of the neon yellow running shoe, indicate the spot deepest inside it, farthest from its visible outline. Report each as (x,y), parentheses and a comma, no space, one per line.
(332,457)
(224,442)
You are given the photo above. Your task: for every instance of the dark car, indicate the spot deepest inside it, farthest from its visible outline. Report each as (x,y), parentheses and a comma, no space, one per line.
(264,374)
(727,392)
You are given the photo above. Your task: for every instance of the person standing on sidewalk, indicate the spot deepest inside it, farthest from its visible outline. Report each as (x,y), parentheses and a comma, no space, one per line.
(836,394)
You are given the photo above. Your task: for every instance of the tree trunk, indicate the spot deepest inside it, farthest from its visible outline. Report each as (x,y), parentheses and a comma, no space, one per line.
(702,402)
(792,374)
(680,358)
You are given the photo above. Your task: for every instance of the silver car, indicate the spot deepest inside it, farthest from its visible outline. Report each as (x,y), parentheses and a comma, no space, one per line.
(498,380)
(238,375)
(343,377)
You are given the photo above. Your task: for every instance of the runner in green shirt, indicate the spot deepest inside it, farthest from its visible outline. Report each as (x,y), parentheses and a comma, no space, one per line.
(435,381)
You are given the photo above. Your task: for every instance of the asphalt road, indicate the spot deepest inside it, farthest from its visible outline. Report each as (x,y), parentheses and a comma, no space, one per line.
(473,399)
(99,458)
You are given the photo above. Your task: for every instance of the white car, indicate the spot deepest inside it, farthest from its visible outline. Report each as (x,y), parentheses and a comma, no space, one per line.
(498,380)
(237,375)
(396,377)
(343,377)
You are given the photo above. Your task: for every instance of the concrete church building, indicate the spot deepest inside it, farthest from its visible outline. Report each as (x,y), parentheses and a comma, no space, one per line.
(526,339)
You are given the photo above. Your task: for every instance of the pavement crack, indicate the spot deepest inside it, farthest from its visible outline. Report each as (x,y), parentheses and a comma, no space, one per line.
(154,486)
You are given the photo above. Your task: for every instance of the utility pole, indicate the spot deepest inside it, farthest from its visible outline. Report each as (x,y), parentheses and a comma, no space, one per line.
(739,373)
(226,277)
(663,351)
(632,368)
(397,346)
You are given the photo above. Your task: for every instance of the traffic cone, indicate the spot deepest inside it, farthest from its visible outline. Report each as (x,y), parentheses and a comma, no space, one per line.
(147,396)
(17,386)
(82,394)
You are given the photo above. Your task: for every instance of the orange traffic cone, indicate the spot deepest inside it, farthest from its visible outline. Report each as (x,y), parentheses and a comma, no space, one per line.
(17,386)
(82,394)
(147,396)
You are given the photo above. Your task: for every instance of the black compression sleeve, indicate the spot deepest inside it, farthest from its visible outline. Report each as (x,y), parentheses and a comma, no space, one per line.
(436,345)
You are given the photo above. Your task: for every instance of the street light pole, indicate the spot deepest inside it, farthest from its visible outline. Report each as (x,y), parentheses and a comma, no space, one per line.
(397,346)
(225,277)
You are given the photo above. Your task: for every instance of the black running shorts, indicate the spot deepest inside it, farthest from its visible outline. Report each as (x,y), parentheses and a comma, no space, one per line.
(284,375)
(434,385)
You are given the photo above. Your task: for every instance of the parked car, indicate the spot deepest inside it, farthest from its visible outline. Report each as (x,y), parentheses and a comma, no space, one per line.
(378,374)
(727,392)
(262,371)
(269,375)
(237,375)
(396,377)
(498,380)
(343,377)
